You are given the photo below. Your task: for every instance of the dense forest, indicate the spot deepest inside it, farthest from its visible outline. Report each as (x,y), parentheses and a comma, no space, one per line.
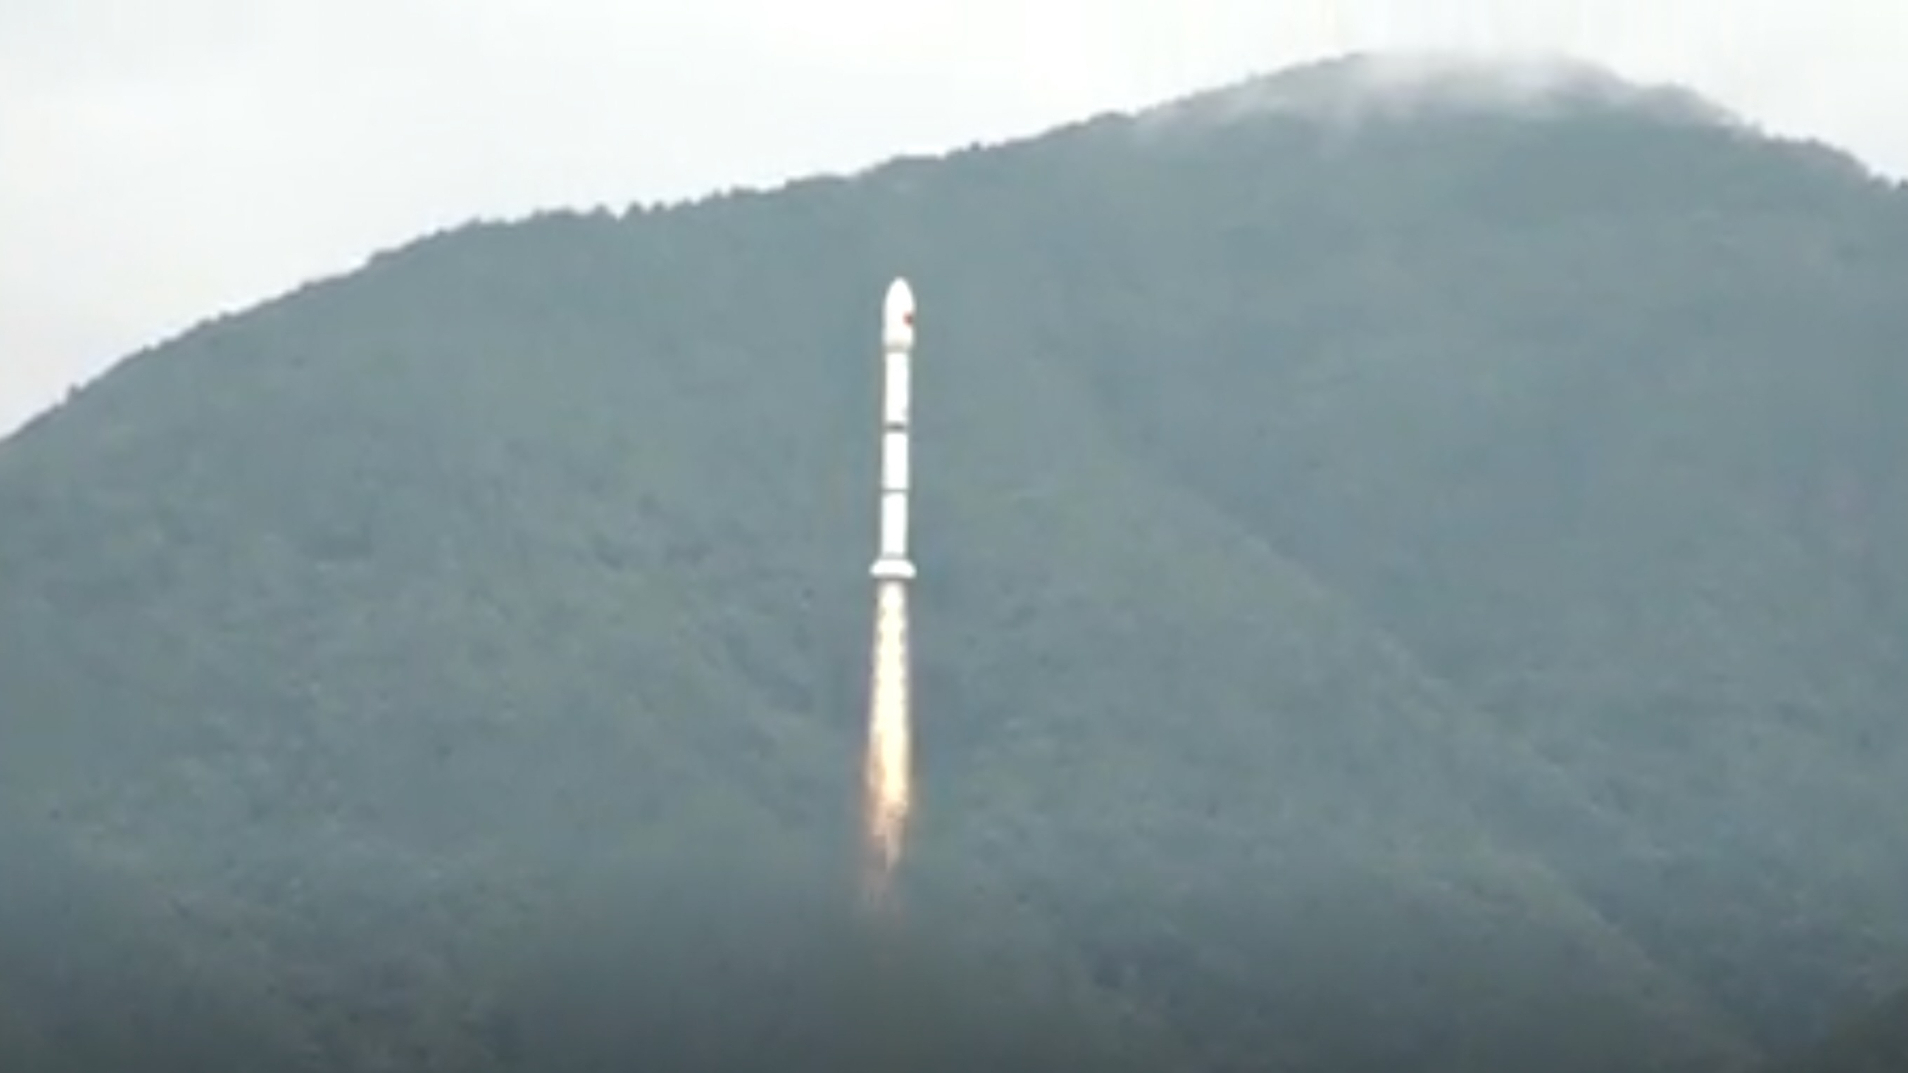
(1412,577)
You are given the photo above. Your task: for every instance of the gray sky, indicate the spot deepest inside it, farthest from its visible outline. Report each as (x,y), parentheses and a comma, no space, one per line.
(162,162)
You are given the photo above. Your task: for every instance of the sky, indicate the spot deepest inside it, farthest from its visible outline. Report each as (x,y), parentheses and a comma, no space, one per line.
(164,163)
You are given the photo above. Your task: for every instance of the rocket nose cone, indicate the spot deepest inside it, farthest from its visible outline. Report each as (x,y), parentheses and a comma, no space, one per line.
(897,316)
(899,305)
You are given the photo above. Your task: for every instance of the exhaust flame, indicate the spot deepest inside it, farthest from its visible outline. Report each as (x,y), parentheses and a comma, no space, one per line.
(885,778)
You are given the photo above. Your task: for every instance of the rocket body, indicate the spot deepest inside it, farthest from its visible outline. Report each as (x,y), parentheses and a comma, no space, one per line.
(887,793)
(897,357)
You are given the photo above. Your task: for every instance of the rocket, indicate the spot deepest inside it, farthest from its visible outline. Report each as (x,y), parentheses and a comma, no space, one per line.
(897,354)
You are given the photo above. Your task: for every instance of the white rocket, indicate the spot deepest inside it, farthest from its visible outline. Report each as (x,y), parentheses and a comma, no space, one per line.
(897,353)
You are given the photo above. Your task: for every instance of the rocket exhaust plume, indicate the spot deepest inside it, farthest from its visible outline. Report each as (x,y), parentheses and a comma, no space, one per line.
(885,777)
(886,774)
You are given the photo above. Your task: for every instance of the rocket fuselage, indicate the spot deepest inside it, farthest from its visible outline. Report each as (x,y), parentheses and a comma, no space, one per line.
(897,356)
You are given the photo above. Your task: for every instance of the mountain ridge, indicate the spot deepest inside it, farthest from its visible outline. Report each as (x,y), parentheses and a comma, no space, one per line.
(513,578)
(1415,85)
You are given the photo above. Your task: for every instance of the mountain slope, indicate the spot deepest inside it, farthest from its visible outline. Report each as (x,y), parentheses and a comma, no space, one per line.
(474,618)
(1602,435)
(1876,1042)
(421,623)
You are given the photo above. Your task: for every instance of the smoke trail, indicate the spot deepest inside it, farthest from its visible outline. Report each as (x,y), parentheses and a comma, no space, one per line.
(885,777)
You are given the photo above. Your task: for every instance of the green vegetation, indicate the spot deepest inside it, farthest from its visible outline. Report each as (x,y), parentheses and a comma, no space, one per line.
(1420,592)
(1875,1042)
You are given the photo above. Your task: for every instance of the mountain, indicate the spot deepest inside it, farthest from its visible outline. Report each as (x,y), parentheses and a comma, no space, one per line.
(1423,588)
(1635,495)
(1875,1042)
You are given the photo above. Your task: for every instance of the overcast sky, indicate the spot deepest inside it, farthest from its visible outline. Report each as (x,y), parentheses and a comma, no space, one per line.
(164,161)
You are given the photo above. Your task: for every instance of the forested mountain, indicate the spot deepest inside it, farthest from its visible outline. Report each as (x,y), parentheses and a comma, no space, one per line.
(1412,575)
(1874,1042)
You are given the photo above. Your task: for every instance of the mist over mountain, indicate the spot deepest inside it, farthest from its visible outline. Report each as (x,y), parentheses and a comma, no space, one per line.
(1429,593)
(1408,86)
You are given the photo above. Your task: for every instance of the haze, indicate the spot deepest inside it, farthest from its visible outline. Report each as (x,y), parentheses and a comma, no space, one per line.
(164,163)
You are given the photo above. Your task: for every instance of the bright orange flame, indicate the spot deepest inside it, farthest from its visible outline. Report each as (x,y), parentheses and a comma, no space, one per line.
(885,777)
